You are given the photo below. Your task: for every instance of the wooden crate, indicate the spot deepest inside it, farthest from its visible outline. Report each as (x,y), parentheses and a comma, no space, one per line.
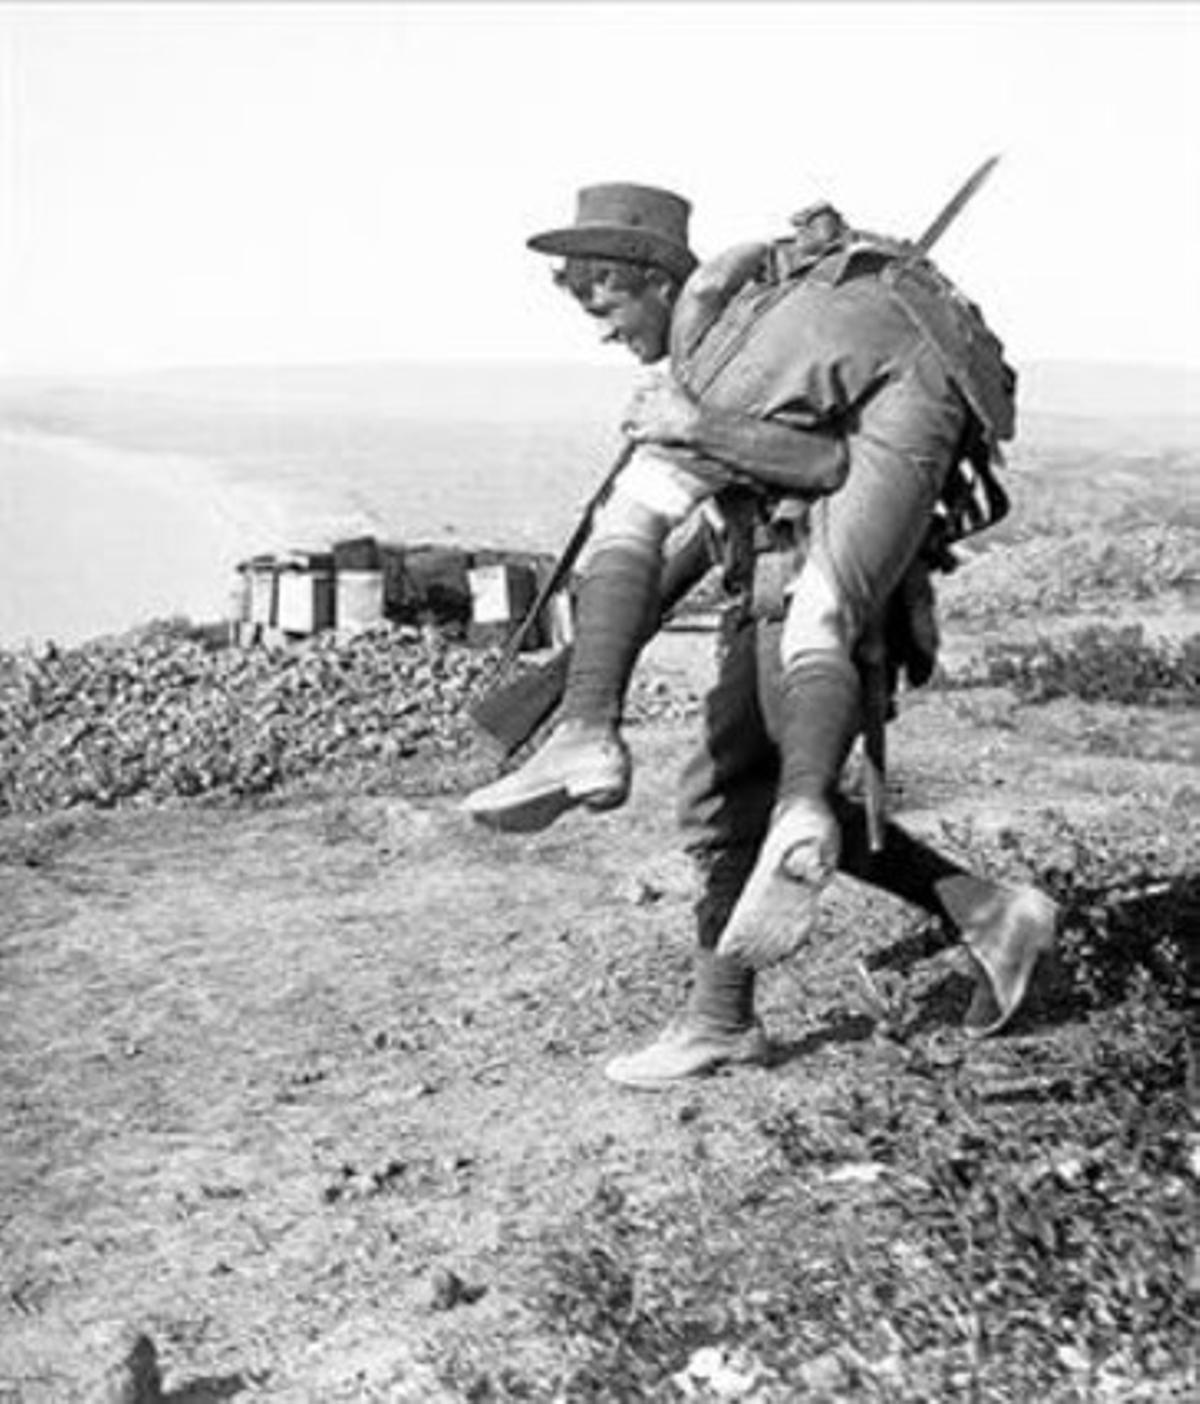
(306,600)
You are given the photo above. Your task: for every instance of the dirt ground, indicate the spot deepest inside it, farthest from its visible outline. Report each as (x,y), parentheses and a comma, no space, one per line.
(305,1091)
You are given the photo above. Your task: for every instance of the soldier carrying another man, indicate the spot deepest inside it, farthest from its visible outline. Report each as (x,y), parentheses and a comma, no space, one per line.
(826,405)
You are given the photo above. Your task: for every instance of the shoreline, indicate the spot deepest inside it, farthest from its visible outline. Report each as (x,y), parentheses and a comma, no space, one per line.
(98,540)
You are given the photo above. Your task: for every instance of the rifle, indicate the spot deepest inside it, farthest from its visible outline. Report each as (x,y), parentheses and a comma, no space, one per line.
(511,712)
(566,560)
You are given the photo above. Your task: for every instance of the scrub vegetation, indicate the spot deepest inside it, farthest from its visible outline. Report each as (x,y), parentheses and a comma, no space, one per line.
(1096,664)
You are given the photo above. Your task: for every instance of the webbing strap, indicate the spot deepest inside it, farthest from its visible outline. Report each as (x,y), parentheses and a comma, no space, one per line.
(735,326)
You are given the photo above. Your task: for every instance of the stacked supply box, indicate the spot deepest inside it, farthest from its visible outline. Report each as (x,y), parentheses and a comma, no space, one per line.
(357,584)
(305,592)
(502,592)
(257,599)
(358,576)
(429,584)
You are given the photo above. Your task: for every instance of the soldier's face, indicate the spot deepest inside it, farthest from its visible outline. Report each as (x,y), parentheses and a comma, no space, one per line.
(640,321)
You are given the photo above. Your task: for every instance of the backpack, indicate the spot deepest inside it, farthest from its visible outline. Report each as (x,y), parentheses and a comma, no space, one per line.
(822,245)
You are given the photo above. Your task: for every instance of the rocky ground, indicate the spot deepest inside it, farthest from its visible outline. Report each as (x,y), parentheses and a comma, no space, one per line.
(301,1087)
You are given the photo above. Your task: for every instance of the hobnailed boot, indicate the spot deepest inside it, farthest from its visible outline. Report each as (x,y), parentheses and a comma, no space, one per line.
(1004,929)
(819,716)
(777,911)
(582,763)
(689,1047)
(585,761)
(717,1025)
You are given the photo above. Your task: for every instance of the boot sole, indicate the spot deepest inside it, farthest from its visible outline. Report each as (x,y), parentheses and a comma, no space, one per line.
(777,911)
(985,1015)
(996,1001)
(778,919)
(534,812)
(755,1055)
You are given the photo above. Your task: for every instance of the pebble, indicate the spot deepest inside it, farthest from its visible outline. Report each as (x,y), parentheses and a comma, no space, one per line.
(133,1377)
(715,1373)
(446,1290)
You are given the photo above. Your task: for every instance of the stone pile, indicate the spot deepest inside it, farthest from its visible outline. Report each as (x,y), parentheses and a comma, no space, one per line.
(159,714)
(163,713)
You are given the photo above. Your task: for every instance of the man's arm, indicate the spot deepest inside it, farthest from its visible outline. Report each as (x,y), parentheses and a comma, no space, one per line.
(724,446)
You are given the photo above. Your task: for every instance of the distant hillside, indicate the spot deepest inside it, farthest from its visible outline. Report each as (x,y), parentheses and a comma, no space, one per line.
(468,391)
(1110,391)
(1156,402)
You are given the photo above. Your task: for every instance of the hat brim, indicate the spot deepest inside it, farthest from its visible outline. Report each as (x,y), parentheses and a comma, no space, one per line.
(616,241)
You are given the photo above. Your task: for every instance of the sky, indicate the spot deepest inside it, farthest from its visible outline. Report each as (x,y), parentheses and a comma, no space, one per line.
(236,183)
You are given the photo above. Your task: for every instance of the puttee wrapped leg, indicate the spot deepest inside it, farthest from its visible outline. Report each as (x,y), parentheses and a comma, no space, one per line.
(586,761)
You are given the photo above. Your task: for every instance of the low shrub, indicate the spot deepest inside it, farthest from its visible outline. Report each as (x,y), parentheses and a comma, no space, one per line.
(1040,575)
(1094,664)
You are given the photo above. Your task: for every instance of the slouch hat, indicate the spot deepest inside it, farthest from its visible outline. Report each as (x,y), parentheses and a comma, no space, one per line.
(629,223)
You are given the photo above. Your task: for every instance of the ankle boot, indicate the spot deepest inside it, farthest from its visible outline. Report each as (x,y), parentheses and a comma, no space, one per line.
(581,764)
(777,911)
(688,1047)
(819,718)
(1004,929)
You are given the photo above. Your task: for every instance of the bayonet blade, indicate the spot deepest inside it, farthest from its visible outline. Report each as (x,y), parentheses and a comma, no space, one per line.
(951,212)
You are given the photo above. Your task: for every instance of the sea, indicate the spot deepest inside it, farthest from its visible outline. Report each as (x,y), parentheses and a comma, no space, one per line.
(125,499)
(130,499)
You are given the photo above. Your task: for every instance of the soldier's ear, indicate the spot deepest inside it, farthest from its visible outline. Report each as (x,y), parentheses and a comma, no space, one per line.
(664,287)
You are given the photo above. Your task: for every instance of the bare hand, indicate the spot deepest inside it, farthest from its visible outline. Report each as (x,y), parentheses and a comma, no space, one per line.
(661,412)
